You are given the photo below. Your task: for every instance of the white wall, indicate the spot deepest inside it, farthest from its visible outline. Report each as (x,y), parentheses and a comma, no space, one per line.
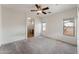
(78,29)
(0,25)
(37,27)
(54,27)
(78,25)
(13,25)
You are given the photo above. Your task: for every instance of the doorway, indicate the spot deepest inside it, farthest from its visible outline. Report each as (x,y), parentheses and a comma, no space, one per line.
(43,26)
(30,28)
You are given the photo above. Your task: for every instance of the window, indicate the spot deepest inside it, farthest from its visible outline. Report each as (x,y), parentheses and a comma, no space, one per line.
(44,26)
(69,27)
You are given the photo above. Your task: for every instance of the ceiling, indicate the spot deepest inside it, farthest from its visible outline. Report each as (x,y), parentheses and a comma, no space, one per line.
(54,8)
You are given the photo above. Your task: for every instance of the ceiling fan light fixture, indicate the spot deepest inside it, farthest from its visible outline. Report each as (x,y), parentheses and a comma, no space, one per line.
(28,17)
(39,11)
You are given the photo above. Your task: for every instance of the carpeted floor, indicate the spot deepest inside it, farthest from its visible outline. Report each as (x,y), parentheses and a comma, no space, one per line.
(39,45)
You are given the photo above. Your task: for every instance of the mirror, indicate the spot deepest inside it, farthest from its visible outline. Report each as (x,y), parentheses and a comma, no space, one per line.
(69,27)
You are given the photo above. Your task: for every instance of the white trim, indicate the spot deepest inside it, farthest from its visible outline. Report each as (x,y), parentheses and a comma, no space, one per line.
(60,40)
(0,25)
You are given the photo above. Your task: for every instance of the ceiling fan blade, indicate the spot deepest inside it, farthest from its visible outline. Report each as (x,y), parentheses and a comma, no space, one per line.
(37,13)
(37,6)
(49,12)
(45,8)
(44,12)
(33,10)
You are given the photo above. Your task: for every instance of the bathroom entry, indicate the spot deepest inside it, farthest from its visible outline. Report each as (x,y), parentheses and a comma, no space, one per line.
(30,28)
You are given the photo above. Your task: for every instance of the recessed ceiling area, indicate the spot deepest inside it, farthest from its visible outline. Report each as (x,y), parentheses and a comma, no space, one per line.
(53,8)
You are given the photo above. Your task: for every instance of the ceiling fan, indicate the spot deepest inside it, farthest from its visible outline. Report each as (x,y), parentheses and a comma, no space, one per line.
(40,9)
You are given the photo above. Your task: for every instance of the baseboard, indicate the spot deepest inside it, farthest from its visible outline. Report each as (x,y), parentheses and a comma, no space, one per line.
(60,40)
(10,42)
(0,45)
